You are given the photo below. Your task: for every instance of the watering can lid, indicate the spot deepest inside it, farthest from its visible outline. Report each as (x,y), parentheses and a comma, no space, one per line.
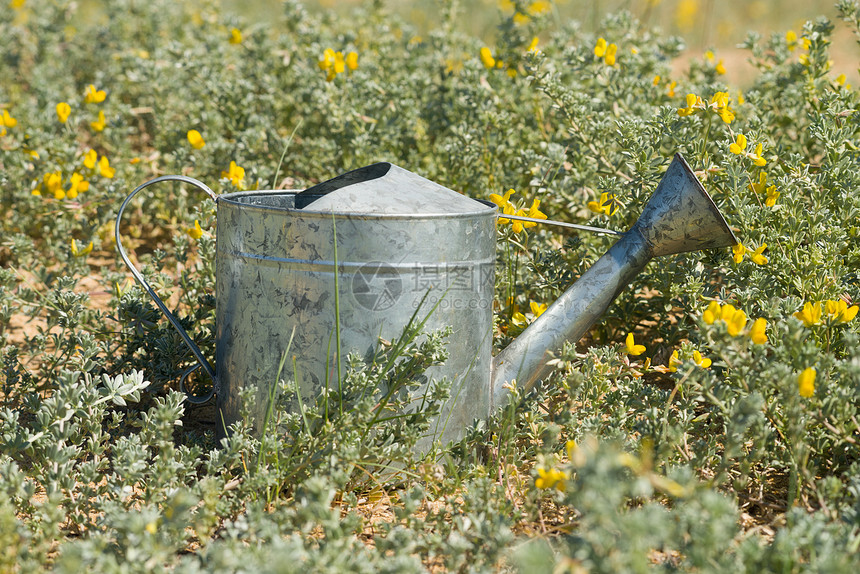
(384,188)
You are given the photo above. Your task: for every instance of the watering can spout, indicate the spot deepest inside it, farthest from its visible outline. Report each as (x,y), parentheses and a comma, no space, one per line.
(679,217)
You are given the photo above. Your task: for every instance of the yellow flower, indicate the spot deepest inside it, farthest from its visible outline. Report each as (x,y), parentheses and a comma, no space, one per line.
(505,203)
(328,59)
(195,139)
(758,159)
(64,110)
(656,80)
(757,332)
(90,159)
(712,313)
(80,252)
(670,88)
(761,185)
(516,224)
(735,320)
(840,311)
(235,174)
(534,212)
(534,44)
(739,146)
(539,7)
(487,58)
(757,257)
(6,120)
(77,185)
(772,196)
(551,478)
(105,170)
(810,314)
(100,123)
(791,40)
(352,61)
(674,362)
(632,347)
(611,50)
(518,319)
(537,308)
(607,204)
(806,382)
(53,184)
(726,115)
(600,48)
(703,362)
(18,4)
(93,96)
(720,68)
(195,232)
(693,102)
(739,250)
(720,103)
(235,36)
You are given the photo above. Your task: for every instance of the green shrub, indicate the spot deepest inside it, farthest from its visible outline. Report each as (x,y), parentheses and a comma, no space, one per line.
(729,442)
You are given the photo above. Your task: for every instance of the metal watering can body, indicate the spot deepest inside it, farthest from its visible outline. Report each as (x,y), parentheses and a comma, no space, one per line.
(397,242)
(393,244)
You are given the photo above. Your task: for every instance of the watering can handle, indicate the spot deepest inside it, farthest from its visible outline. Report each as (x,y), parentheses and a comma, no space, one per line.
(140,279)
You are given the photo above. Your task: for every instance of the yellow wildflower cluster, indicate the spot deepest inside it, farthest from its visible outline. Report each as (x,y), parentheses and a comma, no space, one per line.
(95,96)
(835,312)
(735,321)
(491,62)
(508,208)
(719,104)
(235,36)
(551,478)
(675,361)
(763,187)
(607,204)
(6,121)
(334,63)
(236,175)
(739,146)
(92,95)
(52,183)
(756,255)
(605,51)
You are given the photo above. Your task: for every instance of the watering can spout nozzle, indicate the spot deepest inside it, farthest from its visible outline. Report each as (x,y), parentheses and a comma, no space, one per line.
(679,217)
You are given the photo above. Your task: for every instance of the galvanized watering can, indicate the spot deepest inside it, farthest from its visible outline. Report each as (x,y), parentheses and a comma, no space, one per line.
(391,241)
